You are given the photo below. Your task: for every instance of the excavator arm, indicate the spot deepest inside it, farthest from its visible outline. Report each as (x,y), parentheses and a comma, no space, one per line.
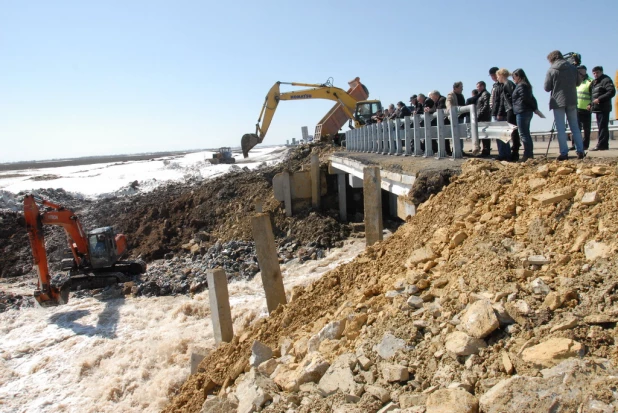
(47,294)
(274,96)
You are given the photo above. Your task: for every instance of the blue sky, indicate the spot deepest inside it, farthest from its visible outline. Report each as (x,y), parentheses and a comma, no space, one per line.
(82,78)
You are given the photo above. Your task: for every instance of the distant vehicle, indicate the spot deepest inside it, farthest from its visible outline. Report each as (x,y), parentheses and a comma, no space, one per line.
(223,155)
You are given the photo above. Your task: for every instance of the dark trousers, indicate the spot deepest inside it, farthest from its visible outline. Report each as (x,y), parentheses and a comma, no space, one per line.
(584,117)
(603,122)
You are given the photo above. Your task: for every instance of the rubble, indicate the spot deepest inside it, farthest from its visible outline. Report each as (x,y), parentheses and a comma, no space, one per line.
(459,323)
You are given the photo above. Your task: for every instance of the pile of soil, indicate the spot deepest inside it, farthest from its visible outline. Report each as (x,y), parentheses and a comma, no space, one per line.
(527,252)
(187,221)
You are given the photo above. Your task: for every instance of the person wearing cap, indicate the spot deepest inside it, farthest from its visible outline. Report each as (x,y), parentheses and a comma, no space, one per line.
(602,90)
(561,81)
(584,117)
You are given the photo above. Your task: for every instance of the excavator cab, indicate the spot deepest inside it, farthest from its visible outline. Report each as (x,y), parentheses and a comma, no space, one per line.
(365,110)
(102,247)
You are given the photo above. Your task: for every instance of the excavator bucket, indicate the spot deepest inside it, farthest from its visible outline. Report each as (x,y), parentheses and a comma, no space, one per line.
(248,141)
(58,295)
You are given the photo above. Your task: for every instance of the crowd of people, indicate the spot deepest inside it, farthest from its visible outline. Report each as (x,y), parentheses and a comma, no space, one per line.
(574,96)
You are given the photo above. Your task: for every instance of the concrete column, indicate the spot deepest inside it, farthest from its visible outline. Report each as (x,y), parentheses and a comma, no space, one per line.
(391,136)
(373,204)
(220,306)
(258,205)
(408,136)
(287,194)
(398,137)
(428,134)
(315,179)
(268,260)
(441,128)
(417,135)
(343,206)
(457,146)
(379,134)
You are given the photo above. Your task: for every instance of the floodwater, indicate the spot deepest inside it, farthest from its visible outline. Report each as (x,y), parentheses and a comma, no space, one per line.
(125,354)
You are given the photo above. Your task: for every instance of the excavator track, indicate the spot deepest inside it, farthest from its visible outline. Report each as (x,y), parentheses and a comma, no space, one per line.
(120,272)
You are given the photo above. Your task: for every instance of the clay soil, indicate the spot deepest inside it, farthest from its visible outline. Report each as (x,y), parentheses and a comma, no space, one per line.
(497,207)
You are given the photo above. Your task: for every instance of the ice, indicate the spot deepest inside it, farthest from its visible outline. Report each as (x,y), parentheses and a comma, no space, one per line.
(116,178)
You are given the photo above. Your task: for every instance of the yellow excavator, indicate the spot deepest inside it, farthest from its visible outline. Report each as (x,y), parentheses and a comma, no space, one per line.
(351,105)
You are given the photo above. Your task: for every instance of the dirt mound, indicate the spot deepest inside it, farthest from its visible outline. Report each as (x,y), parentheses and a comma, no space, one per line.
(510,269)
(189,221)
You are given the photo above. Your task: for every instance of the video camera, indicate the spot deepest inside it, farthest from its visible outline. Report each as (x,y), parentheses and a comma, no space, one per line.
(574,58)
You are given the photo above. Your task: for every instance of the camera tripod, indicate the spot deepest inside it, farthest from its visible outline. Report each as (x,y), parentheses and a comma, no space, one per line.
(552,132)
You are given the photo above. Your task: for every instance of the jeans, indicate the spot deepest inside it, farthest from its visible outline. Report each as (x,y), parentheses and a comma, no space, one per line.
(523,124)
(603,122)
(585,122)
(571,116)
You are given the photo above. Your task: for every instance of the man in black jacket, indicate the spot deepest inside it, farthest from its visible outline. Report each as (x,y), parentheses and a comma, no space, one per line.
(603,90)
(495,102)
(483,114)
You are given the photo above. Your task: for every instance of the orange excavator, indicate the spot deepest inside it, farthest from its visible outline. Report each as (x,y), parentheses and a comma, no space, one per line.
(95,258)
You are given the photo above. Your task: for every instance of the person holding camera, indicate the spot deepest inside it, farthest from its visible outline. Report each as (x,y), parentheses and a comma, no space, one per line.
(603,90)
(561,81)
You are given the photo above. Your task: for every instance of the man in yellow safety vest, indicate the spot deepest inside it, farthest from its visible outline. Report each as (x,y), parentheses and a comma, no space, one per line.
(584,116)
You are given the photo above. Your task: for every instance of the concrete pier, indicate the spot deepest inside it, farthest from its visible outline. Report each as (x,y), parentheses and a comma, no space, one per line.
(373,204)
(220,306)
(343,205)
(315,179)
(287,194)
(268,260)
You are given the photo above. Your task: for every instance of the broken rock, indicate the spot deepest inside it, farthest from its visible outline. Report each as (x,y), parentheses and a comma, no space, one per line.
(479,320)
(394,372)
(259,354)
(420,256)
(553,351)
(452,401)
(339,376)
(461,344)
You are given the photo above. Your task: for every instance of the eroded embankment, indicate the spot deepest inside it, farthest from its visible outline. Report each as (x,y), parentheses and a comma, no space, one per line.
(509,270)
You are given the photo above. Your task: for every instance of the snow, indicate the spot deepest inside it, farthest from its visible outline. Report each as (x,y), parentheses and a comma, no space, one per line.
(110,179)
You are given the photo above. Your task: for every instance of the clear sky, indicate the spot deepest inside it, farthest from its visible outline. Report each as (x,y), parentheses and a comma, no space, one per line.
(81,78)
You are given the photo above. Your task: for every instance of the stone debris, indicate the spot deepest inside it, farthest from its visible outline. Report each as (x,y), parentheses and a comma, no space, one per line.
(518,315)
(480,320)
(552,351)
(452,401)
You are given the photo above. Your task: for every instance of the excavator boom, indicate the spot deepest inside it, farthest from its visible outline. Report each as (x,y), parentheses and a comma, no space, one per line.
(345,102)
(46,294)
